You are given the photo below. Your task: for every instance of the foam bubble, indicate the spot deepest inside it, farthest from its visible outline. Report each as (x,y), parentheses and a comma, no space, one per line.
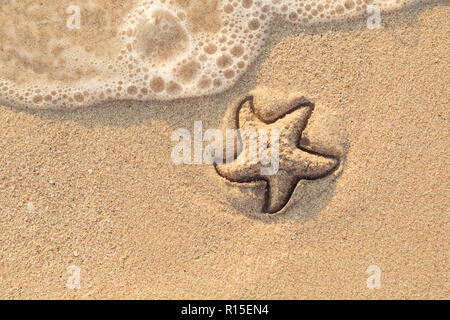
(143,49)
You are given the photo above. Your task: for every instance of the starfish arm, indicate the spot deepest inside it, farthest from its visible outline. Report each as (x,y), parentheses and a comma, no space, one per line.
(292,124)
(310,165)
(247,119)
(230,123)
(236,172)
(271,105)
(279,190)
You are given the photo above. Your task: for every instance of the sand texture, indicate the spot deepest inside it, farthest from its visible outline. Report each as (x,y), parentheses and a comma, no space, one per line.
(97,189)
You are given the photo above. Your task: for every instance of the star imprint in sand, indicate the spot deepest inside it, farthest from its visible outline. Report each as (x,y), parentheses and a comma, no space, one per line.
(294,162)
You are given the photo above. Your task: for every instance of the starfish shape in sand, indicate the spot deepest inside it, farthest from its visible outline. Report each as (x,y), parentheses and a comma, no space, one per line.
(295,161)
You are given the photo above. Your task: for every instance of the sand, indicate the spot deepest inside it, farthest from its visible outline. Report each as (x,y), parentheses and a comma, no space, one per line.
(97,189)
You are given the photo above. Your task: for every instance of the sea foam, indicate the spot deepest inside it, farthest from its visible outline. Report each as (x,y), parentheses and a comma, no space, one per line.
(143,49)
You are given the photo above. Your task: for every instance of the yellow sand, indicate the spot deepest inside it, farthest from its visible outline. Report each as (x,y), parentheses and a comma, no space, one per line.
(140,227)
